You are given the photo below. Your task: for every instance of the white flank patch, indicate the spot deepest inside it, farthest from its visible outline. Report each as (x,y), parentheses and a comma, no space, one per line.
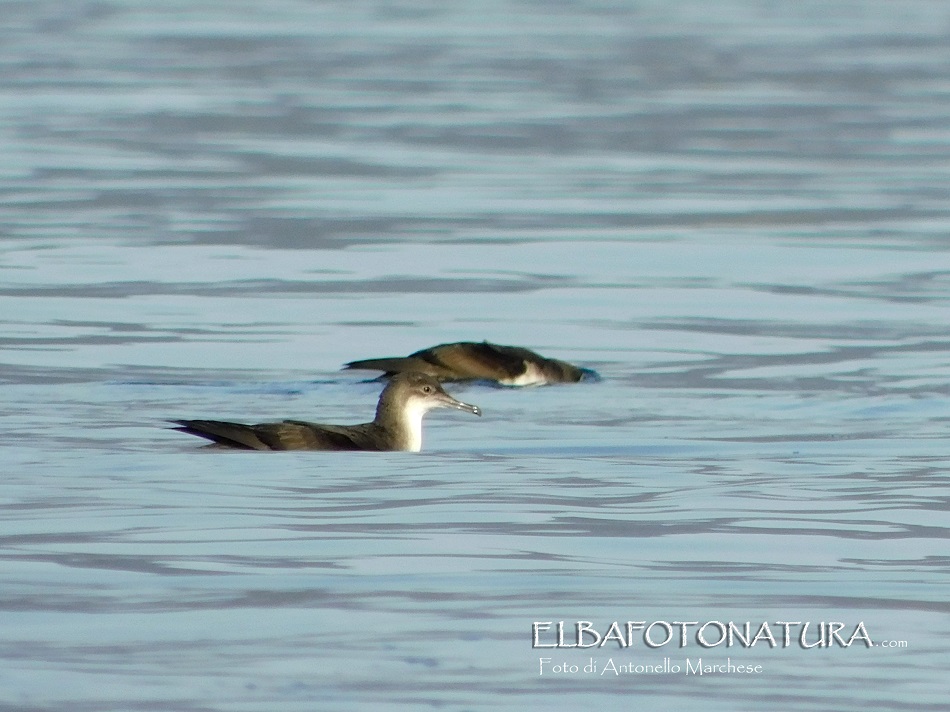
(532,376)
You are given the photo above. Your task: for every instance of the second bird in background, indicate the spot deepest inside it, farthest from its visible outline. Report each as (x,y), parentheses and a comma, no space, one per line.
(480,361)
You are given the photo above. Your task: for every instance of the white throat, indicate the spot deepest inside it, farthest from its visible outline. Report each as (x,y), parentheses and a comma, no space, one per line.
(416,408)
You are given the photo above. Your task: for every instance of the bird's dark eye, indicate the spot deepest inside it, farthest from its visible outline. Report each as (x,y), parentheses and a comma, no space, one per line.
(427,389)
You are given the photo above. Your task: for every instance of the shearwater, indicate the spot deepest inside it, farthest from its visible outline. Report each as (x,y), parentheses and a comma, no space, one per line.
(480,361)
(397,426)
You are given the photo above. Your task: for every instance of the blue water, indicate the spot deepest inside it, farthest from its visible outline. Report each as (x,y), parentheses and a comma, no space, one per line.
(739,217)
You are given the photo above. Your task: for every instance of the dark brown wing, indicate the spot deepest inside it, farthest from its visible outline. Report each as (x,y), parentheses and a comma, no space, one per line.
(471,360)
(285,435)
(235,435)
(465,360)
(396,364)
(485,360)
(468,359)
(554,369)
(496,362)
(301,435)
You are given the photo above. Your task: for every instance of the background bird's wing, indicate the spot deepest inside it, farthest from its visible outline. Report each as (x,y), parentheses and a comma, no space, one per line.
(390,365)
(474,360)
(457,361)
(477,360)
(554,369)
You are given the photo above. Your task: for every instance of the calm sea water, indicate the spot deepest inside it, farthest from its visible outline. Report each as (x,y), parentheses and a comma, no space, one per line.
(738,215)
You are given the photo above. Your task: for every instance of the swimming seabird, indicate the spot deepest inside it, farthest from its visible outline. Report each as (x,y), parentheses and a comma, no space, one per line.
(469,360)
(397,426)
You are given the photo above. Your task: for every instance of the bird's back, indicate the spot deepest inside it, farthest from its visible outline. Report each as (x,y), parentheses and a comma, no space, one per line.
(285,435)
(470,360)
